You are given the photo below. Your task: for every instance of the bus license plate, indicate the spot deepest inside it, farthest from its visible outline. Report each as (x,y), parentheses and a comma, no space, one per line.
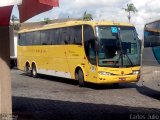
(122,79)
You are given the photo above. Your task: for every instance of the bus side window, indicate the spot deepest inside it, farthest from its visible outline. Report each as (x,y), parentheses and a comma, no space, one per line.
(152,35)
(61,36)
(65,36)
(52,37)
(78,35)
(75,35)
(22,39)
(89,44)
(36,38)
(57,36)
(72,35)
(29,38)
(147,42)
(44,37)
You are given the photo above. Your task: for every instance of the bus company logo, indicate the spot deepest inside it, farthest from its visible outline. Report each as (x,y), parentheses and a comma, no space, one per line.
(122,72)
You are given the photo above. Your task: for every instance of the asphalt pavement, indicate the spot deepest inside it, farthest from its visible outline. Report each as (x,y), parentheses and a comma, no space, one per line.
(53,98)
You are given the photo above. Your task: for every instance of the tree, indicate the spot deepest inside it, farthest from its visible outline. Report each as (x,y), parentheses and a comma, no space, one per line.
(46,20)
(16,26)
(14,18)
(87,16)
(130,8)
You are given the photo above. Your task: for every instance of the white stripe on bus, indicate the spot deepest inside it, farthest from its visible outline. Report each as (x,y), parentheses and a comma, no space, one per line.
(54,73)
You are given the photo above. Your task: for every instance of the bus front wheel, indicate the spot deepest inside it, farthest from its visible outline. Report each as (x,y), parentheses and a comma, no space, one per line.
(80,78)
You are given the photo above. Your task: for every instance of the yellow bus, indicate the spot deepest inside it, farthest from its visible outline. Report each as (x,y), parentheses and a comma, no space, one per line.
(87,51)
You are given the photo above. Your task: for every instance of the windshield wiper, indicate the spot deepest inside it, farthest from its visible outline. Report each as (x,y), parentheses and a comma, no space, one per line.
(125,53)
(122,52)
(115,63)
(121,55)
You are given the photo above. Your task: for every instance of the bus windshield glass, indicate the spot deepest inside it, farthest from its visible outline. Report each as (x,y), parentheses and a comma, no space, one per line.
(118,47)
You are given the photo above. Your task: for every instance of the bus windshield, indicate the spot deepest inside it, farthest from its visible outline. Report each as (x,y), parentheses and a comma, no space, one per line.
(118,50)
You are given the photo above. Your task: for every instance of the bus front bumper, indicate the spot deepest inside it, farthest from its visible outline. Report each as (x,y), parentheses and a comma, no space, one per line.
(103,79)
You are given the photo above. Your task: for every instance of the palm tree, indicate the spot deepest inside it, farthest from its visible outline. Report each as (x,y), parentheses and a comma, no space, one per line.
(130,8)
(16,26)
(47,20)
(87,16)
(14,18)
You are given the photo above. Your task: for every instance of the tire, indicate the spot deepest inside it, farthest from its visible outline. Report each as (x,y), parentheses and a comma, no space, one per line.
(115,85)
(11,64)
(34,71)
(27,70)
(80,78)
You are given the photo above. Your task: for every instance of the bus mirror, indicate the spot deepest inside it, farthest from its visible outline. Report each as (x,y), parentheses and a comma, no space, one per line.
(96,43)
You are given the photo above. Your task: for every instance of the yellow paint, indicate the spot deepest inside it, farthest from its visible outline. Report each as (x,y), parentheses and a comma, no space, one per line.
(116,78)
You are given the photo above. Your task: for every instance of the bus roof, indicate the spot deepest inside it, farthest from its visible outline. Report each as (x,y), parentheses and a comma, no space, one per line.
(74,23)
(155,21)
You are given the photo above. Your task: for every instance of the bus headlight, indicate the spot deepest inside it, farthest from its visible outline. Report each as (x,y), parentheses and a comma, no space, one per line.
(104,73)
(136,72)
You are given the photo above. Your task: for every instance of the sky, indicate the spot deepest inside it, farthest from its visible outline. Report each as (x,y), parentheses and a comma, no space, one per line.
(103,10)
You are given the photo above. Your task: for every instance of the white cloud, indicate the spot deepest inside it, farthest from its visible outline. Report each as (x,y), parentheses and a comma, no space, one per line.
(107,10)
(98,4)
(101,9)
(148,10)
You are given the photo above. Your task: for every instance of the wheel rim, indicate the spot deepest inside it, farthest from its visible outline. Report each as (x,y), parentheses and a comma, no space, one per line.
(34,72)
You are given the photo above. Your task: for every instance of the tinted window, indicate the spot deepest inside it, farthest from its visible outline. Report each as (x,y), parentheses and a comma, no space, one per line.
(61,36)
(153,25)
(22,39)
(36,38)
(74,35)
(89,44)
(29,38)
(78,35)
(88,33)
(57,35)
(72,38)
(152,34)
(45,37)
(54,36)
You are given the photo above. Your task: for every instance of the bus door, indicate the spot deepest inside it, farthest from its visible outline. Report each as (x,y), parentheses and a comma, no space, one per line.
(90,52)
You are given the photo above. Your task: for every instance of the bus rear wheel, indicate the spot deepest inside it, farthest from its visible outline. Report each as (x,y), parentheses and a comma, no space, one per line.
(34,71)
(80,78)
(27,70)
